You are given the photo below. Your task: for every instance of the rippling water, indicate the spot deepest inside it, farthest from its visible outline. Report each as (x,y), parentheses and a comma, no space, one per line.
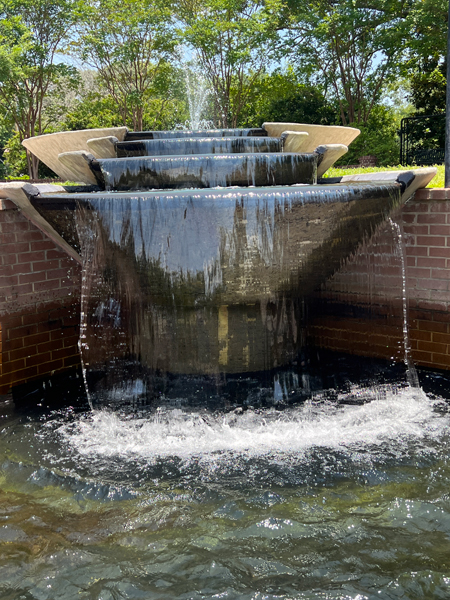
(325,500)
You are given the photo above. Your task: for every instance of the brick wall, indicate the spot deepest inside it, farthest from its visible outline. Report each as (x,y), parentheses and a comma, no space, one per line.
(358,311)
(362,304)
(39,303)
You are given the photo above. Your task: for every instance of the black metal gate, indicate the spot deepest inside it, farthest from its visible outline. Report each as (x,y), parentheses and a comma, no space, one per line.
(422,140)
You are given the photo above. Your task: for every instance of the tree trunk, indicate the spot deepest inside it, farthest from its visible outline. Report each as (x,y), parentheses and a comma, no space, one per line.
(33,165)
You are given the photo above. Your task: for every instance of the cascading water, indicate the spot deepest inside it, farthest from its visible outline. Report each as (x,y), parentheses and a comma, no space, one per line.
(196,297)
(202,291)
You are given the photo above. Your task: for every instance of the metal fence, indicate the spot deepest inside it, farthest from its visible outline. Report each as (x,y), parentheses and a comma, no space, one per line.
(422,140)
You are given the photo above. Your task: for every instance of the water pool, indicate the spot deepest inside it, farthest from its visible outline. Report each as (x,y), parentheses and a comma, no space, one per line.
(323,500)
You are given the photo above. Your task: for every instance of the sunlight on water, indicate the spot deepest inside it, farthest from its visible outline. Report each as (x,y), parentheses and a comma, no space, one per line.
(389,417)
(325,500)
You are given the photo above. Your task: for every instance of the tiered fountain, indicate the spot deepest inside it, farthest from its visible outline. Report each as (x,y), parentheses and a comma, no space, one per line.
(200,250)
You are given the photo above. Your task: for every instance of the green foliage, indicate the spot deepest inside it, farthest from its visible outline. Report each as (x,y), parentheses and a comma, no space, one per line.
(129,44)
(164,109)
(31,32)
(353,48)
(428,87)
(378,137)
(427,22)
(281,97)
(16,165)
(234,40)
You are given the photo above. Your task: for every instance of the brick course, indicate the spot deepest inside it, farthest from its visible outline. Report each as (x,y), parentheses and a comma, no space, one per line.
(39,295)
(40,287)
(425,222)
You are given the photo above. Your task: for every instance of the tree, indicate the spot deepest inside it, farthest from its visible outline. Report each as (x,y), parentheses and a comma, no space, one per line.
(128,43)
(428,87)
(279,96)
(31,32)
(352,47)
(379,137)
(234,40)
(427,23)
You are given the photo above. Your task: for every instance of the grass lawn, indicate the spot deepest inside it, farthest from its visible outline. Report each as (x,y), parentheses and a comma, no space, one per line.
(436,182)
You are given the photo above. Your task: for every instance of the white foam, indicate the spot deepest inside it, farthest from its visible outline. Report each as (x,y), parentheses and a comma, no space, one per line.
(394,417)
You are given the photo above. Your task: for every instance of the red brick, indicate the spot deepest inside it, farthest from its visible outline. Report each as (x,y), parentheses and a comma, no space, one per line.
(443,296)
(416,229)
(408,218)
(9,259)
(44,265)
(31,236)
(423,358)
(443,338)
(8,238)
(63,352)
(16,248)
(424,336)
(422,251)
(433,193)
(418,207)
(8,281)
(42,245)
(432,305)
(63,292)
(445,252)
(49,346)
(20,268)
(440,273)
(441,317)
(432,284)
(38,359)
(22,290)
(431,240)
(421,272)
(440,206)
(18,353)
(38,338)
(14,226)
(427,261)
(14,365)
(55,253)
(13,378)
(433,326)
(431,219)
(33,318)
(46,368)
(46,285)
(440,230)
(56,273)
(441,360)
(19,330)
(31,277)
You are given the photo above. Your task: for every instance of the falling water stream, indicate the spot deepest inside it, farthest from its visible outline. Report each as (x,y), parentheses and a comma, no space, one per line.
(343,496)
(323,480)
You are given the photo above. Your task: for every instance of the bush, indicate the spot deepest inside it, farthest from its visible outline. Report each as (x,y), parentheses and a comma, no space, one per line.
(378,137)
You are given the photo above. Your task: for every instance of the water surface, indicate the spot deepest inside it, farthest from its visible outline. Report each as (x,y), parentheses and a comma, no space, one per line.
(322,500)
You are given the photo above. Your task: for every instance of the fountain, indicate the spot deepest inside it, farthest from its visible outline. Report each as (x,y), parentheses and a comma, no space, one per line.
(321,499)
(200,252)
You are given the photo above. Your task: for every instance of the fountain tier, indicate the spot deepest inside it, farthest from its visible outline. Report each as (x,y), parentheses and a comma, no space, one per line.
(207,284)
(186,146)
